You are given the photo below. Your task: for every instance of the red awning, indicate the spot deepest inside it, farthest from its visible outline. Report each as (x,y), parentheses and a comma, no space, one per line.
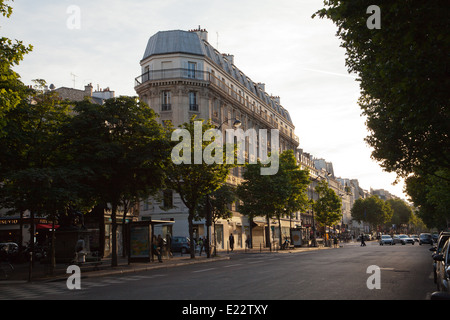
(46,226)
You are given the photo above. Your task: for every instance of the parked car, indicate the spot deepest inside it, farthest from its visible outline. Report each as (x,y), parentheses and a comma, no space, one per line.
(180,244)
(425,238)
(8,250)
(435,237)
(386,239)
(443,237)
(443,268)
(415,237)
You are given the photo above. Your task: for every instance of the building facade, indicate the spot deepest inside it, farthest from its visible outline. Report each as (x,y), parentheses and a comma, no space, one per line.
(182,76)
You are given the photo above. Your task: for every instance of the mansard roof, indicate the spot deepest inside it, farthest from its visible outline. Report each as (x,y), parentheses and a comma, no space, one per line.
(188,42)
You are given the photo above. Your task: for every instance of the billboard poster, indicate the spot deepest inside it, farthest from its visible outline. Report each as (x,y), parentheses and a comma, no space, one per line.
(140,241)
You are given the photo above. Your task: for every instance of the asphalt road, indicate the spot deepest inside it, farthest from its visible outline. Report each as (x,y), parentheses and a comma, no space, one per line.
(404,273)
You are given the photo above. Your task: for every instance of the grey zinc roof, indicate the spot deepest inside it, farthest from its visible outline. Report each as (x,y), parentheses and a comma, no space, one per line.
(174,41)
(180,41)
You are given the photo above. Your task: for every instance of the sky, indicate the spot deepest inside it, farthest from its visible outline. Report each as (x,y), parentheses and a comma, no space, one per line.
(273,42)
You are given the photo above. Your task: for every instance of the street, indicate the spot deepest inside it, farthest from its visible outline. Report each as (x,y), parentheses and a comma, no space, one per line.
(332,274)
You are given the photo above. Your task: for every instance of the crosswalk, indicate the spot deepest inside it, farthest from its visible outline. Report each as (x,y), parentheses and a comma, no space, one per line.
(32,291)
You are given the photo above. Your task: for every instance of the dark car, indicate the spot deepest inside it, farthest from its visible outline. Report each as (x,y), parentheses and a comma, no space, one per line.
(425,238)
(435,237)
(443,268)
(180,244)
(443,237)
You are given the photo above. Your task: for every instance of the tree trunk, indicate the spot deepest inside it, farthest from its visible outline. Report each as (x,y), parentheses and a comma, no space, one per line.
(268,242)
(191,232)
(114,236)
(279,229)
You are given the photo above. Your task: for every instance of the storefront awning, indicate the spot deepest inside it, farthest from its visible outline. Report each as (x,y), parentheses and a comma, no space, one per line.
(47,226)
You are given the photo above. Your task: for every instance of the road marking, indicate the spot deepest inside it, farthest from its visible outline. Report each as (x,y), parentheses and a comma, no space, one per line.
(233,265)
(258,261)
(203,270)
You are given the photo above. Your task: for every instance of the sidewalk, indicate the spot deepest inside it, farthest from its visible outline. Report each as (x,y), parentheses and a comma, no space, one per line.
(41,271)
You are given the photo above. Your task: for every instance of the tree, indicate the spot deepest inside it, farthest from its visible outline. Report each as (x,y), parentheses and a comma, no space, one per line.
(191,179)
(402,212)
(276,195)
(218,203)
(295,182)
(33,162)
(431,196)
(328,206)
(403,74)
(372,210)
(121,150)
(12,90)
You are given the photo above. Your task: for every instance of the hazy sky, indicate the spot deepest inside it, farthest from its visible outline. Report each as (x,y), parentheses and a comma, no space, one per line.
(273,42)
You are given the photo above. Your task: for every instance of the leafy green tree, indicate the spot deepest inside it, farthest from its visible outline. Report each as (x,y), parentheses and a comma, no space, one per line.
(431,196)
(12,90)
(294,181)
(218,203)
(194,181)
(403,73)
(33,161)
(328,206)
(274,196)
(372,210)
(402,212)
(121,151)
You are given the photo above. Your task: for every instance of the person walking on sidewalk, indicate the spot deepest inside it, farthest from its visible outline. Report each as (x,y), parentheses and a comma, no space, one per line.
(200,244)
(231,242)
(160,247)
(363,244)
(169,245)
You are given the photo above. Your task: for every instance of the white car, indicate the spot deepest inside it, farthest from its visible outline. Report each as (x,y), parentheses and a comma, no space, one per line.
(386,239)
(404,239)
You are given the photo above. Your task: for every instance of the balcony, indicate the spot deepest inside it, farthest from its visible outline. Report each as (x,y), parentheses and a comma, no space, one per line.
(168,74)
(219,85)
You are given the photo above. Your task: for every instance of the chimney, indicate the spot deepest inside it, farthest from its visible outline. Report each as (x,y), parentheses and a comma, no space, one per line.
(202,33)
(88,90)
(276,99)
(229,57)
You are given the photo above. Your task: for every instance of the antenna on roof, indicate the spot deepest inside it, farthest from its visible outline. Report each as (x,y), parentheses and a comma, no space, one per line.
(217,47)
(73,75)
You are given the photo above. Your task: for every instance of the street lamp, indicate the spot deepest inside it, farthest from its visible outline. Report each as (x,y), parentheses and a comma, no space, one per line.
(236,124)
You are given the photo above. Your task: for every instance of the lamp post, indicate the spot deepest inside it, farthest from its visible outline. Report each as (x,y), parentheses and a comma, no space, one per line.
(236,124)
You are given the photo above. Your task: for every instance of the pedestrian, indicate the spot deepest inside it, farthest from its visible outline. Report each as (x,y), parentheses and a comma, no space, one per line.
(160,245)
(335,242)
(200,243)
(363,244)
(169,245)
(231,242)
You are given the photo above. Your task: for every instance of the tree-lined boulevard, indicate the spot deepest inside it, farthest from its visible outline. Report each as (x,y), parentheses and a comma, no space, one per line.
(327,274)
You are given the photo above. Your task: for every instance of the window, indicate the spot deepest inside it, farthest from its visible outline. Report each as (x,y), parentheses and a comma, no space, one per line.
(165,101)
(193,106)
(191,69)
